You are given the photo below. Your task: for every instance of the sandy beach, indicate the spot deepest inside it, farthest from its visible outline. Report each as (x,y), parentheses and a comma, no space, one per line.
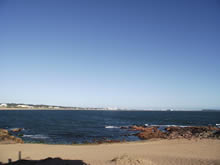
(152,152)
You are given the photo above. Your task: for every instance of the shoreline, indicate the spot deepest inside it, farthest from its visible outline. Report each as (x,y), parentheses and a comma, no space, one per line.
(90,109)
(67,109)
(44,109)
(157,151)
(16,135)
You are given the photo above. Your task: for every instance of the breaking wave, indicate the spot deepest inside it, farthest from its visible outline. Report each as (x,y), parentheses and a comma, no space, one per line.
(111,126)
(38,136)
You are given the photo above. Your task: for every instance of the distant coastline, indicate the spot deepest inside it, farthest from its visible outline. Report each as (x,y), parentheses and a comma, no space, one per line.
(22,106)
(59,109)
(210,110)
(35,109)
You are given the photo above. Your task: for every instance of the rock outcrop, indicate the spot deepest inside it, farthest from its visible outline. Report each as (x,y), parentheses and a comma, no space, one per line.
(6,138)
(191,132)
(16,130)
(176,132)
(148,132)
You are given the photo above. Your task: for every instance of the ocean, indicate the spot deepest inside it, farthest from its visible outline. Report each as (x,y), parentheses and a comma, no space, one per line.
(68,127)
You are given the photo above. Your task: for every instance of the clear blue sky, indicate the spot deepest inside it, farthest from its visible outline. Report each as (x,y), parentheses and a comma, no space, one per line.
(111,53)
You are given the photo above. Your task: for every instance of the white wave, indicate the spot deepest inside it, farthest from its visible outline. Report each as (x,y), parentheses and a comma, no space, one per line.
(146,125)
(37,136)
(111,126)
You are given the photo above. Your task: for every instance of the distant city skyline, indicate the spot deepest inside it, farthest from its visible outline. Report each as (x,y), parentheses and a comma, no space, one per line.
(124,54)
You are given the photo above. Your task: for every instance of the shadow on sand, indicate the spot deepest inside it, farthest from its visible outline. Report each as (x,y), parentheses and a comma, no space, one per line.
(47,161)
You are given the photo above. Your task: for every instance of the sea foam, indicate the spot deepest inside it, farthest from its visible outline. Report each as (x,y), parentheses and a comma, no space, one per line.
(111,126)
(37,136)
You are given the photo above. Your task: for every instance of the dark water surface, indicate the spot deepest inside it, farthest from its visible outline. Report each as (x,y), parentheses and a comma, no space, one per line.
(66,127)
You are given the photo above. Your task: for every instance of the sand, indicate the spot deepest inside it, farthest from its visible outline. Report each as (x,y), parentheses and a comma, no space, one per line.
(153,152)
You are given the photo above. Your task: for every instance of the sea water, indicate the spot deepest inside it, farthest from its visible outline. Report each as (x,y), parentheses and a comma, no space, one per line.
(67,127)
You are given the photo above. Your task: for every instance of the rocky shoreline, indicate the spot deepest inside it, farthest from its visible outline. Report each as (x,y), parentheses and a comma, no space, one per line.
(170,132)
(7,138)
(176,132)
(142,132)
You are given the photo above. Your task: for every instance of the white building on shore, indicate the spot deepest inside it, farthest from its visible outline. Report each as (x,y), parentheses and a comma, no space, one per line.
(3,105)
(24,106)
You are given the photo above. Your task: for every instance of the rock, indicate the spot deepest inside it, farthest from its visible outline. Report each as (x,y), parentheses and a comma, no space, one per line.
(124,127)
(151,133)
(19,140)
(216,134)
(3,132)
(172,128)
(143,128)
(16,129)
(176,132)
(190,132)
(5,137)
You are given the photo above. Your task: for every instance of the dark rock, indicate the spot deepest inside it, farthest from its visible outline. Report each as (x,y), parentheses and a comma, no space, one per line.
(176,132)
(124,127)
(190,132)
(172,128)
(216,134)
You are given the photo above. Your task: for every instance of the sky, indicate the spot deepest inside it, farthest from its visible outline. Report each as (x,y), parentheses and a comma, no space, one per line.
(145,54)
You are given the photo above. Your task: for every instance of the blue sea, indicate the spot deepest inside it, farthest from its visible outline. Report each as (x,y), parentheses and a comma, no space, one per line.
(67,127)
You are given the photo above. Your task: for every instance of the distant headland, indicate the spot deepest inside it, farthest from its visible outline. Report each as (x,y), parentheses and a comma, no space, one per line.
(22,106)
